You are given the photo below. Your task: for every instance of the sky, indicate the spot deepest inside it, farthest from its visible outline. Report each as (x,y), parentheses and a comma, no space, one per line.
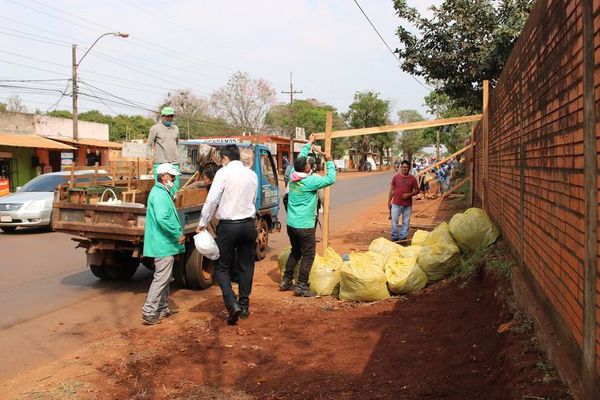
(328,45)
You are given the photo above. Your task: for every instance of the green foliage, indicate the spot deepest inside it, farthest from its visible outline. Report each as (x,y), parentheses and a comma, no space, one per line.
(412,141)
(462,44)
(452,136)
(60,114)
(366,111)
(3,107)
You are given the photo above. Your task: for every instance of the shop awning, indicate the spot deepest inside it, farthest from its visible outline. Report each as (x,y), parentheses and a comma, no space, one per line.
(91,142)
(32,141)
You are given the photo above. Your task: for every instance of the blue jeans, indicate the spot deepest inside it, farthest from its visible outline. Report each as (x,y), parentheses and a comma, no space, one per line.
(405,211)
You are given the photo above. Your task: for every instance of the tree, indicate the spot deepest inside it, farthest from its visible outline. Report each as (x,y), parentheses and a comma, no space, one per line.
(366,111)
(190,111)
(464,43)
(411,141)
(452,136)
(310,115)
(244,102)
(60,114)
(3,107)
(15,104)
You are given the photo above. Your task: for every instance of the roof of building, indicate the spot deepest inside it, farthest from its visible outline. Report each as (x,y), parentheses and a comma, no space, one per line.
(13,140)
(90,142)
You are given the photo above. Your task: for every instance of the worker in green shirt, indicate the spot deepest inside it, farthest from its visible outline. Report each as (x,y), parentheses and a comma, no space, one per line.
(163,141)
(301,221)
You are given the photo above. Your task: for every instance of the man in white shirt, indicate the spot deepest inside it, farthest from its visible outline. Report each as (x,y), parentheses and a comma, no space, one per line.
(234,192)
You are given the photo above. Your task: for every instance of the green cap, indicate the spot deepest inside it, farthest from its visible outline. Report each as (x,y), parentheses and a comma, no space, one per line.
(167,111)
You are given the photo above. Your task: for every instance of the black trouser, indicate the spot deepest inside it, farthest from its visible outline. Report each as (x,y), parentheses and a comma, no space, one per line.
(235,236)
(303,247)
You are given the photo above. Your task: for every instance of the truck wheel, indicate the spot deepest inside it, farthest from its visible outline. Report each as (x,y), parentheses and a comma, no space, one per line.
(120,266)
(99,271)
(199,270)
(262,239)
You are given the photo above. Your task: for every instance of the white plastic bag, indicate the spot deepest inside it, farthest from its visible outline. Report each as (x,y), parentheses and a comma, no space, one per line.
(206,245)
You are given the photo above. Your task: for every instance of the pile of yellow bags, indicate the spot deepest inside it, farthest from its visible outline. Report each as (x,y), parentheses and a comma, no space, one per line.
(388,267)
(473,230)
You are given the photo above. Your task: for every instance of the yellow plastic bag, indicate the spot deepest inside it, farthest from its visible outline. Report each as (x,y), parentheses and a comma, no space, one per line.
(473,230)
(324,275)
(363,278)
(438,260)
(385,247)
(409,251)
(282,260)
(419,238)
(404,275)
(441,234)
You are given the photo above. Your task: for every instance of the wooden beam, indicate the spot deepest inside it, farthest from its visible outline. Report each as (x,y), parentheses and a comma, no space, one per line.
(328,127)
(443,160)
(472,168)
(590,179)
(401,127)
(456,186)
(485,131)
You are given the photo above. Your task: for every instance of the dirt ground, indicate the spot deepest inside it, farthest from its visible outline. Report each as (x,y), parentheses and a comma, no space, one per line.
(442,343)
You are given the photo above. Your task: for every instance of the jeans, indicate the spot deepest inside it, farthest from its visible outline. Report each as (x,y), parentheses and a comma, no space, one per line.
(396,212)
(304,245)
(158,295)
(232,236)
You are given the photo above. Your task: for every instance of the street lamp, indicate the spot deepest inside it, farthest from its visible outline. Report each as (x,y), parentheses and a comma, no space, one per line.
(75,64)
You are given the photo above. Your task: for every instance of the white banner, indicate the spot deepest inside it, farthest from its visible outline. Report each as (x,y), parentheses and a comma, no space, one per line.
(134,150)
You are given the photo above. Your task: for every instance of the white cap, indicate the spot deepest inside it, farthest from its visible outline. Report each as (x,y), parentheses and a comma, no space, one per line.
(166,168)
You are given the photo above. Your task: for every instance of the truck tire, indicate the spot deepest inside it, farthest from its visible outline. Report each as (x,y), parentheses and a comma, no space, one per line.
(119,266)
(99,271)
(199,270)
(262,239)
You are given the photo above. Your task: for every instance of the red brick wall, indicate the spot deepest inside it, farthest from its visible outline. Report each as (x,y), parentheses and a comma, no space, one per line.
(536,114)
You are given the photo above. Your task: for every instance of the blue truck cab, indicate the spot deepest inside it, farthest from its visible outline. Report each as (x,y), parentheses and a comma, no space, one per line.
(267,197)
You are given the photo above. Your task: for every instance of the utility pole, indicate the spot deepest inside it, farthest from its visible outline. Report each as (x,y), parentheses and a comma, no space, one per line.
(74,86)
(292,92)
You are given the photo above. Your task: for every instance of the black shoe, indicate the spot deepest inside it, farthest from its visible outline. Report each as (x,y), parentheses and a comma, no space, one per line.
(245,313)
(304,291)
(285,285)
(234,314)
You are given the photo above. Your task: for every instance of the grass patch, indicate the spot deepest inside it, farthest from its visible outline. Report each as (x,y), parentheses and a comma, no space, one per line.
(524,324)
(63,391)
(492,259)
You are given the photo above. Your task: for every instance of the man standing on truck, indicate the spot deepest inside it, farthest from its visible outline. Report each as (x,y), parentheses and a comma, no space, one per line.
(163,239)
(234,192)
(301,221)
(163,140)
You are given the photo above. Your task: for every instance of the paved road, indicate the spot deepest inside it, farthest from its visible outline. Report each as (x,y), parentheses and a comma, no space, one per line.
(51,303)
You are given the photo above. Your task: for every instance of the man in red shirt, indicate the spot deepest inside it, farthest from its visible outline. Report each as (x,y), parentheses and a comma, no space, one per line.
(404,187)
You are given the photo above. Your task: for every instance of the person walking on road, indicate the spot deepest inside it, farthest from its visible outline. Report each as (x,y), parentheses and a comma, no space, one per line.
(163,239)
(404,187)
(301,220)
(233,190)
(163,140)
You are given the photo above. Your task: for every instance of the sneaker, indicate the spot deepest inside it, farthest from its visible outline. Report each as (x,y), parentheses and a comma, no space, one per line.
(151,319)
(168,314)
(303,291)
(285,285)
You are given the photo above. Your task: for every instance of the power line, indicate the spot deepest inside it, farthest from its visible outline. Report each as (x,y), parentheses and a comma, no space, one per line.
(386,45)
(34,80)
(55,105)
(32,67)
(117,97)
(106,105)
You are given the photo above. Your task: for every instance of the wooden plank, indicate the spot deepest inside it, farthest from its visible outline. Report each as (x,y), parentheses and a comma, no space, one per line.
(400,127)
(472,168)
(485,131)
(326,197)
(590,178)
(443,160)
(456,186)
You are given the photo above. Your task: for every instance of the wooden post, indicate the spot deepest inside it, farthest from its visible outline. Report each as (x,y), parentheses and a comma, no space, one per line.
(590,178)
(472,168)
(328,128)
(485,131)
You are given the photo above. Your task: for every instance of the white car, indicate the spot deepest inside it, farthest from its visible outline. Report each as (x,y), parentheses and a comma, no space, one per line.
(31,205)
